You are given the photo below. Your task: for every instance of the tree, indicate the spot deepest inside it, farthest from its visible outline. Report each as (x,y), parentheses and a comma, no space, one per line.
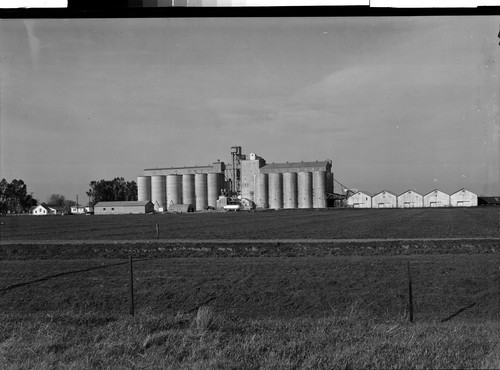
(112,190)
(56,200)
(14,197)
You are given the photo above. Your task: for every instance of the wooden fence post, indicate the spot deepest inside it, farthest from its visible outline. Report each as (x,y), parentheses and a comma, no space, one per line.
(157,231)
(410,296)
(131,287)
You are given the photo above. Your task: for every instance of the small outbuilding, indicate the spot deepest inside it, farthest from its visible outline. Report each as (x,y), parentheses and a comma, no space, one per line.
(384,199)
(360,199)
(436,198)
(41,210)
(125,207)
(410,199)
(180,208)
(463,198)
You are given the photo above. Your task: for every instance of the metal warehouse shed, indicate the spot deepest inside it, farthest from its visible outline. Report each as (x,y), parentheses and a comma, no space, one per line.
(463,198)
(410,199)
(120,208)
(384,199)
(436,198)
(360,200)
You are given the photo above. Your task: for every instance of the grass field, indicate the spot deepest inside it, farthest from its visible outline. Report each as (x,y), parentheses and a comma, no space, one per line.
(274,305)
(293,224)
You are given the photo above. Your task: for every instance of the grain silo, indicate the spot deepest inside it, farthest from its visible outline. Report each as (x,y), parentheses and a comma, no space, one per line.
(213,189)
(304,191)
(188,194)
(173,190)
(329,182)
(143,188)
(384,199)
(200,188)
(319,189)
(290,190)
(276,190)
(436,198)
(463,198)
(410,199)
(158,192)
(261,191)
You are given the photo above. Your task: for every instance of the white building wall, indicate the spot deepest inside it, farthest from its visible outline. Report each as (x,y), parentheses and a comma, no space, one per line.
(463,198)
(359,200)
(384,199)
(436,198)
(410,199)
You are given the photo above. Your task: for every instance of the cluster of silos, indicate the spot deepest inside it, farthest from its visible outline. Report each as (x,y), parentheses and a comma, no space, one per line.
(201,189)
(291,190)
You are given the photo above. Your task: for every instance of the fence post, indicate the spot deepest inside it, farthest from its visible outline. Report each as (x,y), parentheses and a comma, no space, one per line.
(157,231)
(410,296)
(131,287)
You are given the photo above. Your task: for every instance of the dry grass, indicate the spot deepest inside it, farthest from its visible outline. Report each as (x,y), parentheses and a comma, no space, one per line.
(350,339)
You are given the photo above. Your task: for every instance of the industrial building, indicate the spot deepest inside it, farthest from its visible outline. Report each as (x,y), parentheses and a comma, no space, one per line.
(384,199)
(274,185)
(436,198)
(463,198)
(360,199)
(410,199)
(125,207)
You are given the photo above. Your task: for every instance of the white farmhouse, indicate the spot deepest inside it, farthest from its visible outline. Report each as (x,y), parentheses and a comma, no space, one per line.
(360,200)
(463,198)
(410,199)
(436,198)
(384,199)
(41,210)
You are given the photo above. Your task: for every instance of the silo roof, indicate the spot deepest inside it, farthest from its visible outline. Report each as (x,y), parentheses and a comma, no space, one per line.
(282,167)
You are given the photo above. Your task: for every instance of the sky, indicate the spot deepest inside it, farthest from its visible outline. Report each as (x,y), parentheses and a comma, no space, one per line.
(396,103)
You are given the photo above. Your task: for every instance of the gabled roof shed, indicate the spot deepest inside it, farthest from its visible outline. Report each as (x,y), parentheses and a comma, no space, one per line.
(384,199)
(410,199)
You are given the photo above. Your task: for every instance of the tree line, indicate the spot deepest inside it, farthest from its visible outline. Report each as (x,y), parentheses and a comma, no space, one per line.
(14,196)
(112,190)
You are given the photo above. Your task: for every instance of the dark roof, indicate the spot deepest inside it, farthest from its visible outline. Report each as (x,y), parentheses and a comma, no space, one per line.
(122,204)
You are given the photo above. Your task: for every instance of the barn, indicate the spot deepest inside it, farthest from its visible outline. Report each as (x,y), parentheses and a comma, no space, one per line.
(436,198)
(360,199)
(120,208)
(410,199)
(384,199)
(463,198)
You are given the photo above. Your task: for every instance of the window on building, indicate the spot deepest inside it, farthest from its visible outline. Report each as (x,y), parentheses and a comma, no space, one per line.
(112,209)
(104,209)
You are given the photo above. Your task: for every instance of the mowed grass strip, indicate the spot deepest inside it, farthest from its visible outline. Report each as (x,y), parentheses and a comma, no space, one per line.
(261,287)
(290,224)
(348,339)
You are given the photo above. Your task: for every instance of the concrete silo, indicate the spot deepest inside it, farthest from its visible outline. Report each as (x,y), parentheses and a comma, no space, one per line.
(329,182)
(319,189)
(213,186)
(188,194)
(276,190)
(143,188)
(261,191)
(158,191)
(200,188)
(173,190)
(304,191)
(290,190)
